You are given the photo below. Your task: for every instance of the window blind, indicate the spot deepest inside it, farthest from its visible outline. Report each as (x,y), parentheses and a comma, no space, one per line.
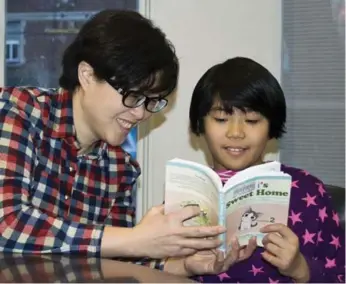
(313,79)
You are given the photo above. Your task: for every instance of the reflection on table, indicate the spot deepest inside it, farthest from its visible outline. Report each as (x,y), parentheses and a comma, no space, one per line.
(17,268)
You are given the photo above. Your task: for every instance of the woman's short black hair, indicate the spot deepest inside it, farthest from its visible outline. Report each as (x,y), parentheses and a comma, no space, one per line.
(243,84)
(124,48)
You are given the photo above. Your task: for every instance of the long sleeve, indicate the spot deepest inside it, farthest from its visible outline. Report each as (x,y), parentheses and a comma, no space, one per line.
(23,227)
(327,264)
(321,238)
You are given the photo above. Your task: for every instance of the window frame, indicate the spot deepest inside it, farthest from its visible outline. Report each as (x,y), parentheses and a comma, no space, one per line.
(17,38)
(2,39)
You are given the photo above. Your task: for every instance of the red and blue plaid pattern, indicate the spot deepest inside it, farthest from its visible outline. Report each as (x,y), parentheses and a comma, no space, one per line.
(52,199)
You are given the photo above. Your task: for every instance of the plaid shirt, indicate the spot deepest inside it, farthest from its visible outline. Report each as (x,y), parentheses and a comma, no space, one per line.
(54,200)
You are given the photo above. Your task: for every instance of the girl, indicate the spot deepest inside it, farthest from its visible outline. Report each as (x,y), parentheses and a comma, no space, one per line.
(238,106)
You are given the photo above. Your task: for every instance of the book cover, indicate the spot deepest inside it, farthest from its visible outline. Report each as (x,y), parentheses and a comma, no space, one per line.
(248,201)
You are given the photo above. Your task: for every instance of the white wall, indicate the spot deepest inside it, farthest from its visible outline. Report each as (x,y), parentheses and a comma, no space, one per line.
(204,33)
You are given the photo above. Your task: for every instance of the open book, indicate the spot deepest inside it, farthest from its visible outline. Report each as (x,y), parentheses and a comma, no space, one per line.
(249,200)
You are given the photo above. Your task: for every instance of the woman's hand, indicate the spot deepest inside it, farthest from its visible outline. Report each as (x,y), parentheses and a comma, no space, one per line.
(281,246)
(162,235)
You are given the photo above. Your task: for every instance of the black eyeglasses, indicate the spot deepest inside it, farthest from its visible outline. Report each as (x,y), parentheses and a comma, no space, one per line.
(133,99)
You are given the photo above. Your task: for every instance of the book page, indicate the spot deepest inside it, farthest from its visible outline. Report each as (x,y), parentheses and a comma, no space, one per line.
(255,203)
(251,172)
(189,183)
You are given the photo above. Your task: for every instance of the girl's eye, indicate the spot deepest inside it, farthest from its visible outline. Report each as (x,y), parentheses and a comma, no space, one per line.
(220,119)
(252,121)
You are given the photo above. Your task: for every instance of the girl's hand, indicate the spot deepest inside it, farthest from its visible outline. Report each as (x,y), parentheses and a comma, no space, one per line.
(210,261)
(214,262)
(281,246)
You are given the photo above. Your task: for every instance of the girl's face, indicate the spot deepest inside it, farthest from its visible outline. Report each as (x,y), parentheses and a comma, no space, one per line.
(236,141)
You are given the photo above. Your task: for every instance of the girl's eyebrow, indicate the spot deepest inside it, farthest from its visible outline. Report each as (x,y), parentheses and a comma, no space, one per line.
(249,111)
(217,108)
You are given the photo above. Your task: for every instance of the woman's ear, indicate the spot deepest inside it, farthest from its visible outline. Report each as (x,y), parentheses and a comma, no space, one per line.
(85,74)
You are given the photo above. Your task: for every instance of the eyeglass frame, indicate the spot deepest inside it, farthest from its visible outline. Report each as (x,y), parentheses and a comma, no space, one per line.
(146,101)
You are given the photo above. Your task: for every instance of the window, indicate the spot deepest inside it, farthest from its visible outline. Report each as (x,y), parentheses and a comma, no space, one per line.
(314,85)
(14,43)
(12,51)
(37,32)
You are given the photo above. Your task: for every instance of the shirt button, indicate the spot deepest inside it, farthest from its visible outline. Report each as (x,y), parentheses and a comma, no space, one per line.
(66,197)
